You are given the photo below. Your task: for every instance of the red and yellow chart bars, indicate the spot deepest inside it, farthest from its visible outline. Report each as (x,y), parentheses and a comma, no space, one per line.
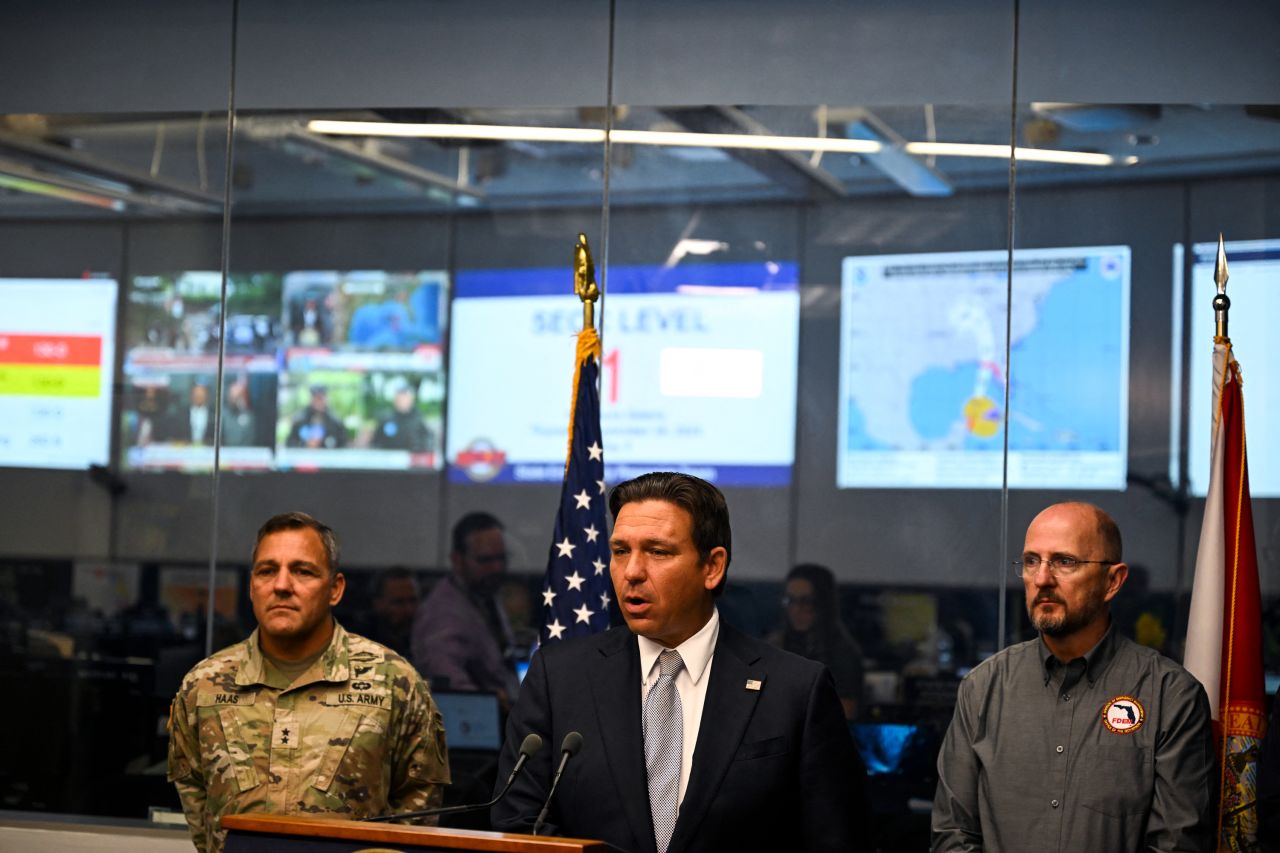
(52,365)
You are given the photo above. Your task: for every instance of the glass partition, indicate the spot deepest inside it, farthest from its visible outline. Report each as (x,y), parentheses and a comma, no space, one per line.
(412,240)
(899,457)
(1170,173)
(1164,156)
(804,228)
(104,575)
(890,515)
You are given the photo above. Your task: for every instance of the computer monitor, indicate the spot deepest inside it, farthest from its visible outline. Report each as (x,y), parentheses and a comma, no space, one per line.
(470,720)
(885,746)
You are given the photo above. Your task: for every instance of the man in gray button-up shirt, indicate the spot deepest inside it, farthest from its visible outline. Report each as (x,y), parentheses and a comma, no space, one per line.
(1080,740)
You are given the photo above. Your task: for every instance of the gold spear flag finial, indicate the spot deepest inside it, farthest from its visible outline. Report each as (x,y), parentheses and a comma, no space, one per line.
(584,281)
(1221,304)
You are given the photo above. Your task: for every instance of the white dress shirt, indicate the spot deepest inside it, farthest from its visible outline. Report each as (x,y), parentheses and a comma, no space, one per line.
(691,684)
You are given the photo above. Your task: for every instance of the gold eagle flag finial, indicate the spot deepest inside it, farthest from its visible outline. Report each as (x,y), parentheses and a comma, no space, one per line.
(584,281)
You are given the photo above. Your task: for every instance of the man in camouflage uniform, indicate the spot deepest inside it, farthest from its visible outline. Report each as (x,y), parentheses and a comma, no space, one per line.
(302,717)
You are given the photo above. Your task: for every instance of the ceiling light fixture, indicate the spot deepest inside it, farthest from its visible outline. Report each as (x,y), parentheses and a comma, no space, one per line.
(586,135)
(745,140)
(511,133)
(1038,155)
(506,133)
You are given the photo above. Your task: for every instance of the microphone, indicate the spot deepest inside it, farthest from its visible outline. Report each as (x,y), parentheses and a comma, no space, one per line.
(529,747)
(568,748)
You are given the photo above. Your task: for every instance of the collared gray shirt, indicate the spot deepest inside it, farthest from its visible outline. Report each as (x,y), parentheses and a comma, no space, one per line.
(1120,760)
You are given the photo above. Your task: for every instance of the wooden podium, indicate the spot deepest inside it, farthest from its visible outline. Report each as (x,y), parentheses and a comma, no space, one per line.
(261,833)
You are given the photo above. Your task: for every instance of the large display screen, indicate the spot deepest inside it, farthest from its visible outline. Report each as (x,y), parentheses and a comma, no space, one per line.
(922,381)
(323,369)
(1254,290)
(57,357)
(699,372)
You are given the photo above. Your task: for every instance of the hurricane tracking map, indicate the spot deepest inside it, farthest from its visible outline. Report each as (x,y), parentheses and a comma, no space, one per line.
(923,376)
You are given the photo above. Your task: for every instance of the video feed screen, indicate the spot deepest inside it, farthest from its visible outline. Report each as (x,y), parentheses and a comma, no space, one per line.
(323,370)
(698,372)
(1254,290)
(922,340)
(57,358)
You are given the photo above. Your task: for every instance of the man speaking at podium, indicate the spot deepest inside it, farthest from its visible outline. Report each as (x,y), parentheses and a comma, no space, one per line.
(694,737)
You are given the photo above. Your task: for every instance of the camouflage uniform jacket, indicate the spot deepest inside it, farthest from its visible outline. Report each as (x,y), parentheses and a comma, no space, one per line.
(357,734)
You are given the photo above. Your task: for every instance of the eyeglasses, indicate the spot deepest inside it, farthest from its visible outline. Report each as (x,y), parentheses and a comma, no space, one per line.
(1060,566)
(798,601)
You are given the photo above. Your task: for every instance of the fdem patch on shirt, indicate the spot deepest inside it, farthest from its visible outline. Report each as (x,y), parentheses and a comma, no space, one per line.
(1123,715)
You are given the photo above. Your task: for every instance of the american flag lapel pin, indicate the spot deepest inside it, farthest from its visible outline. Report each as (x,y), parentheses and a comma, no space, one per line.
(754,684)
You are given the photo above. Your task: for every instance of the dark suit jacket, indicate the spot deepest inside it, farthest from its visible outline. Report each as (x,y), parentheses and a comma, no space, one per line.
(774,768)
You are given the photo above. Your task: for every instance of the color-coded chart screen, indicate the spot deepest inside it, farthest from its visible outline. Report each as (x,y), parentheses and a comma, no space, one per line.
(57,349)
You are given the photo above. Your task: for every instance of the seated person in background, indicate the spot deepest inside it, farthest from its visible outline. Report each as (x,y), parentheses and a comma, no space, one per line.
(522,615)
(393,601)
(302,717)
(812,628)
(460,632)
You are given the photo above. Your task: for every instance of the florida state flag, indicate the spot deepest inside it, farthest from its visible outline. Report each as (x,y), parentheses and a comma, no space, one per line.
(1224,634)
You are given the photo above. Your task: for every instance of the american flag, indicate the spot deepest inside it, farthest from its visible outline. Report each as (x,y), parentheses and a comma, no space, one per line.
(577,591)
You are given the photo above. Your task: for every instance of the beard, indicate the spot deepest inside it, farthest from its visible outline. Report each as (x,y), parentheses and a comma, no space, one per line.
(1066,622)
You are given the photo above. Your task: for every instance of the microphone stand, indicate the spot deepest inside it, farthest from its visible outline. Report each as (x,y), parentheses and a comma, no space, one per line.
(532,743)
(568,748)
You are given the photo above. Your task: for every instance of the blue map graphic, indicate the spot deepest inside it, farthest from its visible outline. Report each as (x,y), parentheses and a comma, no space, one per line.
(1068,390)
